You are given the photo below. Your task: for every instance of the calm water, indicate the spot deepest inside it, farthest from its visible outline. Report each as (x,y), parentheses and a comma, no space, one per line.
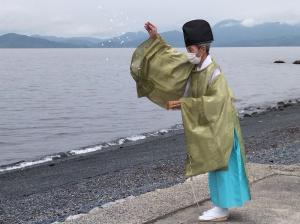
(55,100)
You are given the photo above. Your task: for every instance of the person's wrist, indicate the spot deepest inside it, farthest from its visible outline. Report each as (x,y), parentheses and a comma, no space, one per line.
(154,35)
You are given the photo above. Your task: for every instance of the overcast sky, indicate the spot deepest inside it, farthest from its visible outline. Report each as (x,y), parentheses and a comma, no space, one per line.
(106,18)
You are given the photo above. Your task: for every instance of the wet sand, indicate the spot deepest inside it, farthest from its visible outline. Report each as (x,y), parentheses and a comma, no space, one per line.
(52,191)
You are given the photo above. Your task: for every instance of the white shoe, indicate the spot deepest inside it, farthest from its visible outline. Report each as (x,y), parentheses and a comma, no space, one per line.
(216,209)
(215,214)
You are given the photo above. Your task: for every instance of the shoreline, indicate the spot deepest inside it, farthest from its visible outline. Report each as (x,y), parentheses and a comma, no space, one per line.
(52,191)
(248,111)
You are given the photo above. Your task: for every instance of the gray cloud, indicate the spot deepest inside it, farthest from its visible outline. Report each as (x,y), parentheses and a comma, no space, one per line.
(105,18)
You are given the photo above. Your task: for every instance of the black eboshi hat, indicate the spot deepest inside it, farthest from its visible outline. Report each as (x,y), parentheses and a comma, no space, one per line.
(197,31)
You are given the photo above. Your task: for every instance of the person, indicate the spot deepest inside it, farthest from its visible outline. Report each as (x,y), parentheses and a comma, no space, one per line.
(195,84)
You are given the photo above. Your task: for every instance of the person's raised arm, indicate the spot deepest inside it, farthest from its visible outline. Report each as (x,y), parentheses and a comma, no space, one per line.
(160,71)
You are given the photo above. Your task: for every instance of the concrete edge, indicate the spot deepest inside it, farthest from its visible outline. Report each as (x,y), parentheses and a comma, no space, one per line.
(151,206)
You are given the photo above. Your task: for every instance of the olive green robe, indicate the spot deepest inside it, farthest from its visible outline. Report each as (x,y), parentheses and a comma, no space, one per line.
(208,113)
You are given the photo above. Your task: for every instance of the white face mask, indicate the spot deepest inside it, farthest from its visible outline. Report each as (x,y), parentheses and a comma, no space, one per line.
(193,58)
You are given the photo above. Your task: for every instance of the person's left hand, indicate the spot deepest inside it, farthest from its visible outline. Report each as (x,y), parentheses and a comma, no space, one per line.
(175,104)
(152,30)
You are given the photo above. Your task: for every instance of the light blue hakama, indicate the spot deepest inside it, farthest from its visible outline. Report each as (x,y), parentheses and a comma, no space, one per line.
(229,188)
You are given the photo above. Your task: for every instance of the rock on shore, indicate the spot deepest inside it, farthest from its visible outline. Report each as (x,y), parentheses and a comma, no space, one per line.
(279,61)
(297,62)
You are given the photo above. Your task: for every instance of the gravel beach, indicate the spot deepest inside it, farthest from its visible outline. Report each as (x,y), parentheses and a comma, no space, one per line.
(53,191)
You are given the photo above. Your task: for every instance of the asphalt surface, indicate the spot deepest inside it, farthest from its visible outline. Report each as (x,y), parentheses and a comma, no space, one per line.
(53,191)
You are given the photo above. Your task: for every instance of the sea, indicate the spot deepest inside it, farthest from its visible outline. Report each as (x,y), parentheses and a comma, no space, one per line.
(76,101)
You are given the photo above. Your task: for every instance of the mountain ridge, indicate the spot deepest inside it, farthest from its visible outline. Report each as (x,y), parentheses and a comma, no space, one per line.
(227,33)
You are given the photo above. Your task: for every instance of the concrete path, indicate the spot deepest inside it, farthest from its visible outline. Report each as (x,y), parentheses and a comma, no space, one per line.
(275,199)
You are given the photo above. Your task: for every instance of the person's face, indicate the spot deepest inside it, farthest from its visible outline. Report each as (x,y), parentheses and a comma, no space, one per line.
(195,49)
(192,49)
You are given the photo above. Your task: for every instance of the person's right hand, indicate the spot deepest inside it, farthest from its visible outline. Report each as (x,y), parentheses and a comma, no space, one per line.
(151,29)
(173,105)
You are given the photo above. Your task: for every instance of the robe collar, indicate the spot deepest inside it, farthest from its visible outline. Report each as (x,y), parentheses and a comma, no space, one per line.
(205,63)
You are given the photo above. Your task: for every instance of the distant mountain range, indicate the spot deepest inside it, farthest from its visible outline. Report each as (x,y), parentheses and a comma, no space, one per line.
(228,33)
(232,33)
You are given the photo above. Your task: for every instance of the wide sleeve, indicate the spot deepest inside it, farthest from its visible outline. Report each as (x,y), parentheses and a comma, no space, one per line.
(160,71)
(209,107)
